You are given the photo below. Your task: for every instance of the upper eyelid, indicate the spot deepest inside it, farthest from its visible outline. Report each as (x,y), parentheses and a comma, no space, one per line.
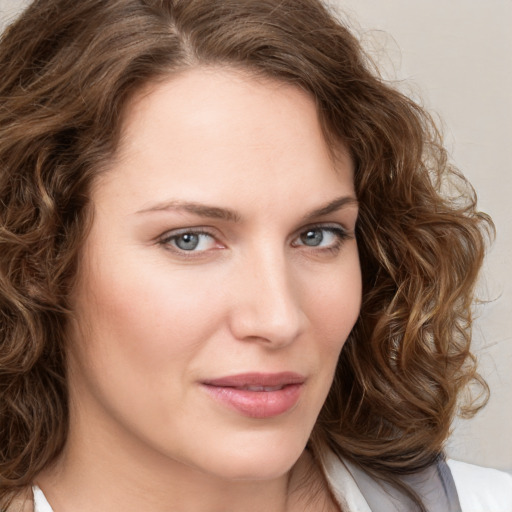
(211,231)
(324,225)
(327,227)
(172,233)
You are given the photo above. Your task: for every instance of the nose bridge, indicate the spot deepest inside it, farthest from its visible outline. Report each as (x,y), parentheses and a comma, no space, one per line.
(268,307)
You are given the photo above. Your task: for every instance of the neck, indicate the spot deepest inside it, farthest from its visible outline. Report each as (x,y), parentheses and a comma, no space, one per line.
(112,474)
(81,488)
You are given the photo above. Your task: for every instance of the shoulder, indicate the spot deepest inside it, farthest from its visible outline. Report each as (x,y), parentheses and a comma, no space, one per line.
(481,489)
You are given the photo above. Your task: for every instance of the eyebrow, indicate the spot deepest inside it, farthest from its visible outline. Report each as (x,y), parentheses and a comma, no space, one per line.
(331,207)
(202,210)
(215,212)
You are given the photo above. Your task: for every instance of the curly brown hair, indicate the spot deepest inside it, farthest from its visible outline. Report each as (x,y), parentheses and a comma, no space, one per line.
(70,68)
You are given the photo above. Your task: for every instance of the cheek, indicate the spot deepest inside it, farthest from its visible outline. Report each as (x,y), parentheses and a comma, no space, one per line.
(143,317)
(333,308)
(334,305)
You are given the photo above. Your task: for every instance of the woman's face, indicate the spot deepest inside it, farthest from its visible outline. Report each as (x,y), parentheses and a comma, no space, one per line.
(219,281)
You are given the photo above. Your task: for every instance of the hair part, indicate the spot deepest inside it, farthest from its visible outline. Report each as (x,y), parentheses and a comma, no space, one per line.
(65,88)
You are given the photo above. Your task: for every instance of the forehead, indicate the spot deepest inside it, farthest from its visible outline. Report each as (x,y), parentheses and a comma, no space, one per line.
(211,129)
(234,98)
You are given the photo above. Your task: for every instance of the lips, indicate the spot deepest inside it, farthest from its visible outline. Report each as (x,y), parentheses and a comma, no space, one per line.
(257,395)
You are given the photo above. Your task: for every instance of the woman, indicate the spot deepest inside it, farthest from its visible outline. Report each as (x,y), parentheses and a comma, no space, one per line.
(229,280)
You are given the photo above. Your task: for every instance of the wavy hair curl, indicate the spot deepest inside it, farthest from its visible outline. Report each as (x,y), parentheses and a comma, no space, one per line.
(69,70)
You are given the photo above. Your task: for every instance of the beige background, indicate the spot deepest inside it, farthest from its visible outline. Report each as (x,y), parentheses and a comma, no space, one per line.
(456,56)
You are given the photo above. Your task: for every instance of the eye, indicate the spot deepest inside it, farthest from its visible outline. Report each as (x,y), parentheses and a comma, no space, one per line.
(323,237)
(189,241)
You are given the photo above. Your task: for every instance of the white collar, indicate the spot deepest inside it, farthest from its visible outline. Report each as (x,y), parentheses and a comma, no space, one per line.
(342,484)
(40,502)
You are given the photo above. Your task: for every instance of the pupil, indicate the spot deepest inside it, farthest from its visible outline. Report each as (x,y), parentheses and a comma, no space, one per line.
(313,237)
(188,241)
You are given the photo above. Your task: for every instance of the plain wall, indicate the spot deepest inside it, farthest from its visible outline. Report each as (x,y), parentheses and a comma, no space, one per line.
(456,56)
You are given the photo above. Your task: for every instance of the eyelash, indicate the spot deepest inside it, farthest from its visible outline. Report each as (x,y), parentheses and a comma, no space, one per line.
(168,239)
(341,234)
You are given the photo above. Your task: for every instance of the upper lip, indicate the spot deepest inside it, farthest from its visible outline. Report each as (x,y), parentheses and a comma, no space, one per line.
(257,379)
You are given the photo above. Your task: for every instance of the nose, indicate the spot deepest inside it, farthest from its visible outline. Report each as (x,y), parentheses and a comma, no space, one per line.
(266,302)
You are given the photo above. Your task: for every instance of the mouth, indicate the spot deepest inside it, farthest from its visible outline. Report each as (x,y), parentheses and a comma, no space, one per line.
(259,388)
(257,395)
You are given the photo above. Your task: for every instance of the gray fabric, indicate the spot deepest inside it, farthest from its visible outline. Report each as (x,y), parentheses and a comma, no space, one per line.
(434,485)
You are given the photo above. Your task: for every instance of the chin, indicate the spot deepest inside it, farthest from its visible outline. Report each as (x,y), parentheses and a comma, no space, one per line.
(265,469)
(257,459)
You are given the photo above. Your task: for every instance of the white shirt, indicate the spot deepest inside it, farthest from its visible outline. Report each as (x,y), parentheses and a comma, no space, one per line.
(482,489)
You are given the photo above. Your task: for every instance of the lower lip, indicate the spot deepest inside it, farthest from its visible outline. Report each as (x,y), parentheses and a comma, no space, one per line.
(257,404)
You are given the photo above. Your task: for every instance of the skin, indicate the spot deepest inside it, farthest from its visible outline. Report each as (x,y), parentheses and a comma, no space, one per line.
(153,321)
